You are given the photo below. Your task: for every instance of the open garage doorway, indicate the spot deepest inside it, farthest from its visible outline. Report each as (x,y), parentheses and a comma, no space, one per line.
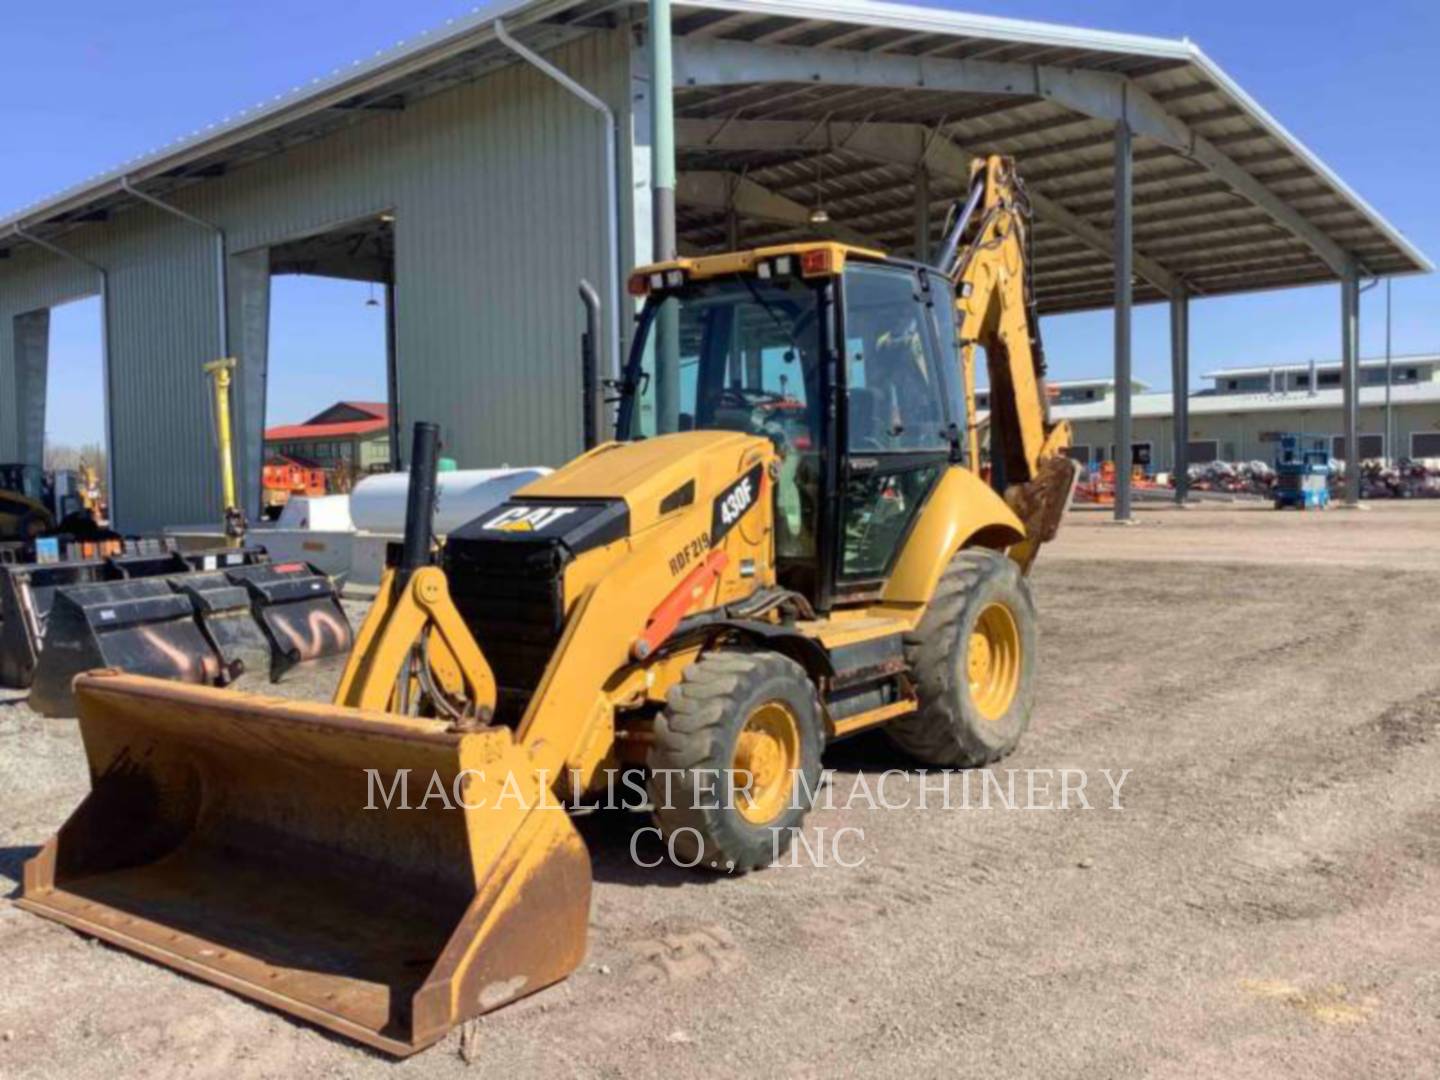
(75,429)
(57,468)
(330,395)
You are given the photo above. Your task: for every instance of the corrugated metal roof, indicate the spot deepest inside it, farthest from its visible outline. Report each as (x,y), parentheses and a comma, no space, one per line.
(1191,223)
(461,50)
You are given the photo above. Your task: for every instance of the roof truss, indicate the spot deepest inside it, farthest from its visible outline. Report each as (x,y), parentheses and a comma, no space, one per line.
(1098,94)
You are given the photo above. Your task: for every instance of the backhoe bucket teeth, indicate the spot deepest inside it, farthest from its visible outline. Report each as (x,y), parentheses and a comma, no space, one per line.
(298,611)
(140,626)
(260,844)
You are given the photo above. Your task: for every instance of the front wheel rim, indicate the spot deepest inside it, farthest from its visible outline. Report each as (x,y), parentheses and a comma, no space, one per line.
(767,753)
(992,661)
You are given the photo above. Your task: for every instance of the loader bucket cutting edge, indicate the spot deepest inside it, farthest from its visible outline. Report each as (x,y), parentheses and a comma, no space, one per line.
(227,836)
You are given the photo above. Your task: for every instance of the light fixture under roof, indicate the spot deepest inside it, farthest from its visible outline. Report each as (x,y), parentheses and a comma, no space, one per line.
(818,214)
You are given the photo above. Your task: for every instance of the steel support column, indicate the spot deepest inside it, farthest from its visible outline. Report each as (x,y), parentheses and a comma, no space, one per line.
(1350,378)
(662,207)
(32,370)
(1124,232)
(392,372)
(1180,389)
(662,131)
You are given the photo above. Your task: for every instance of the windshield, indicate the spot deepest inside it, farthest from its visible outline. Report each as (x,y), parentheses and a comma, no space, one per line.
(745,358)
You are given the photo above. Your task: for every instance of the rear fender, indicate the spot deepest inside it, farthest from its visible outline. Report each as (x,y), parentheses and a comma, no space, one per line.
(962,511)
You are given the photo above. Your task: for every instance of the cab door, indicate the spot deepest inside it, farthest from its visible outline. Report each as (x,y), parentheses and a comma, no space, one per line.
(897,428)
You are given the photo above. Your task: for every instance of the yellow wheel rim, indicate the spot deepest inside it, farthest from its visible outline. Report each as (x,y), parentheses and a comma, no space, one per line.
(766,755)
(992,662)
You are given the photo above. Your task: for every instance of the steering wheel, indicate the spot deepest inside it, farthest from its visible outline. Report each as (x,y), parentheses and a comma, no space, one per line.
(736,397)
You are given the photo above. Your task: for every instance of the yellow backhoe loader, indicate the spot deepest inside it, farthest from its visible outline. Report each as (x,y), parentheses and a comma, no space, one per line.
(791,539)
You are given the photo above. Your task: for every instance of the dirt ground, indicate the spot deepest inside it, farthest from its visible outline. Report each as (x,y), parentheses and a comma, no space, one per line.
(1266,903)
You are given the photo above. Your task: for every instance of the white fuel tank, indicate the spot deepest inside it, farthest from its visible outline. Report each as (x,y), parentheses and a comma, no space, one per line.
(377,503)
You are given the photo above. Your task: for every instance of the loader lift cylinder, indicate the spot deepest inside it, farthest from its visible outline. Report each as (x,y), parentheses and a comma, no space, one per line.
(420,504)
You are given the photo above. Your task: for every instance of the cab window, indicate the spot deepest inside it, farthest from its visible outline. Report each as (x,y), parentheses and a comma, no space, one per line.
(897,437)
(895,394)
(747,358)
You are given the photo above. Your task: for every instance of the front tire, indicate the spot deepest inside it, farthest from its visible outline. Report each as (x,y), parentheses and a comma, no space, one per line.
(735,716)
(973,658)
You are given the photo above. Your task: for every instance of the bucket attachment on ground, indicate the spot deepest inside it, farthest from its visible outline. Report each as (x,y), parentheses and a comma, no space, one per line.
(141,626)
(198,617)
(259,844)
(27,592)
(222,608)
(298,611)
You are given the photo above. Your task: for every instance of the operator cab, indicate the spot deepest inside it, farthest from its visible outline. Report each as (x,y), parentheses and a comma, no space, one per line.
(770,342)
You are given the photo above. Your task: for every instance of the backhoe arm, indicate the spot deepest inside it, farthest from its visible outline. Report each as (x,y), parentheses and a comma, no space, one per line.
(988,256)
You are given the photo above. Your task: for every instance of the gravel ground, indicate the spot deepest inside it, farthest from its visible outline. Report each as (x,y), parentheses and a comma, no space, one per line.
(1266,903)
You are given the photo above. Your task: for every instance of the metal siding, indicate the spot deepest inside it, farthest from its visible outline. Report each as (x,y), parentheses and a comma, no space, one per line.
(498,198)
(30,280)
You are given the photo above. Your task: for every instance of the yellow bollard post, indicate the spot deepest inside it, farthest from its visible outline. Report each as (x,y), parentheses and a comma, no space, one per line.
(220,373)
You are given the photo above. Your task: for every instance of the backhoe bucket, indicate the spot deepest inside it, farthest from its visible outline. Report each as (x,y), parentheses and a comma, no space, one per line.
(263,845)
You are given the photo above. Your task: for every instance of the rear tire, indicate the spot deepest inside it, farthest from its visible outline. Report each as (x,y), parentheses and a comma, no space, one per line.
(754,714)
(973,658)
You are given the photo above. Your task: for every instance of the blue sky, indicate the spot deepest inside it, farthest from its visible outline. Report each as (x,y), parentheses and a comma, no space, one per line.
(82,89)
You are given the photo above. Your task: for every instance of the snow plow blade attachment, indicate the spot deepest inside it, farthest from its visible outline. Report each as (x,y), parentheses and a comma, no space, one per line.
(240,839)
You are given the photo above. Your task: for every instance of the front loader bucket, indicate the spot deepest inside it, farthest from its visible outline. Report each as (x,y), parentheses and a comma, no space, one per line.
(140,626)
(260,844)
(299,612)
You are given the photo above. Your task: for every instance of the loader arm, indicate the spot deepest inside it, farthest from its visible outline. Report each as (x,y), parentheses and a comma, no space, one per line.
(988,257)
